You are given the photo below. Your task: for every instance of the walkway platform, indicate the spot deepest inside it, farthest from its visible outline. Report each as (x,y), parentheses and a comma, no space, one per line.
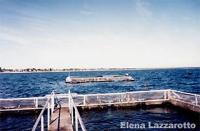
(60,120)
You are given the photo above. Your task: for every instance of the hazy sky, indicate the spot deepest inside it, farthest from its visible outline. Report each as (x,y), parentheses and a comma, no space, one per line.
(99,33)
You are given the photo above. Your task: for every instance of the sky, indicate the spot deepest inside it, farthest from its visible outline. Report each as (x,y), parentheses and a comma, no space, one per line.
(99,33)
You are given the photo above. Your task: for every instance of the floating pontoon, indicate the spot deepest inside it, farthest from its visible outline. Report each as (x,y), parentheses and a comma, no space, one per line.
(106,78)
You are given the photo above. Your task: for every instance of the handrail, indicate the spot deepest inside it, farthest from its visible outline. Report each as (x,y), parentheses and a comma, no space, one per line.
(41,117)
(36,100)
(28,98)
(75,113)
(85,98)
(118,93)
(185,93)
(75,94)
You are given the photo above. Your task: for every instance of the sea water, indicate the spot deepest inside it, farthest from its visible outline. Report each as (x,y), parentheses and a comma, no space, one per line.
(39,84)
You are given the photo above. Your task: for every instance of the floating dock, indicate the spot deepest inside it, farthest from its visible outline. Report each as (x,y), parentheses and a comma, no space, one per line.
(62,109)
(106,78)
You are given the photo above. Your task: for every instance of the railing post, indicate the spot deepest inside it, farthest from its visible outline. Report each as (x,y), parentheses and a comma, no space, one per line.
(165,95)
(70,107)
(52,102)
(121,98)
(36,102)
(72,115)
(48,115)
(169,94)
(42,123)
(69,100)
(84,103)
(76,120)
(128,97)
(98,99)
(196,101)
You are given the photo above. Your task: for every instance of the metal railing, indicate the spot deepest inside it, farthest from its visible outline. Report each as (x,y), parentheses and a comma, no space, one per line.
(100,99)
(77,100)
(75,116)
(121,98)
(30,103)
(189,98)
(49,106)
(25,103)
(90,99)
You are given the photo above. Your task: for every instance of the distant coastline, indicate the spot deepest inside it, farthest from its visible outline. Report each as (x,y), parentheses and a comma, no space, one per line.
(34,70)
(46,70)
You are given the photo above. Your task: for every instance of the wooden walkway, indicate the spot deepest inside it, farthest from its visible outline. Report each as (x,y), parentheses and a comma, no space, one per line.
(60,120)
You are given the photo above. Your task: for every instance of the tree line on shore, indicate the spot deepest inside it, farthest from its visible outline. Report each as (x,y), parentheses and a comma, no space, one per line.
(36,69)
(52,69)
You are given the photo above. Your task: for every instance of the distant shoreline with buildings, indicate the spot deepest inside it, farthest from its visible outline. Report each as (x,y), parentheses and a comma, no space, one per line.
(41,70)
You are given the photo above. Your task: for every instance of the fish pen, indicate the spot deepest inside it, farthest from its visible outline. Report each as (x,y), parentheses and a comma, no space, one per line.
(54,105)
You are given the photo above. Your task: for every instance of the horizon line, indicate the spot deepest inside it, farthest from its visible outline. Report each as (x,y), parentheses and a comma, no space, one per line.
(88,68)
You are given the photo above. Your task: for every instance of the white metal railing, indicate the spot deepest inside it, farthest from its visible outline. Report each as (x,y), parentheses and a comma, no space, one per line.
(75,116)
(189,98)
(28,103)
(120,98)
(100,99)
(74,100)
(49,106)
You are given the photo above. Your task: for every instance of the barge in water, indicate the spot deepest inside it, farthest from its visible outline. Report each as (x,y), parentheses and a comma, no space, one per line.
(106,78)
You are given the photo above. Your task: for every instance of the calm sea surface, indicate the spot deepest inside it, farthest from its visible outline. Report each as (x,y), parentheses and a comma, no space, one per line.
(40,84)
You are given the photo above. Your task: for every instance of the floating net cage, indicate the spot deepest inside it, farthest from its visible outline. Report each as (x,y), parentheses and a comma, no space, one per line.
(22,103)
(102,99)
(185,97)
(112,98)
